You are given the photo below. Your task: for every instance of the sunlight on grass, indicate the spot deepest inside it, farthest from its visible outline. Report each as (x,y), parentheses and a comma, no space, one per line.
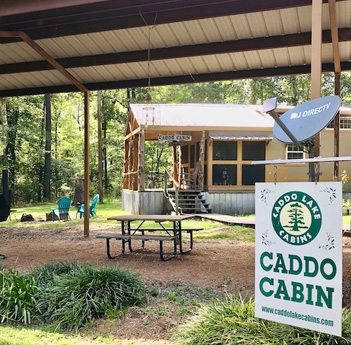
(28,336)
(103,210)
(346,220)
(235,233)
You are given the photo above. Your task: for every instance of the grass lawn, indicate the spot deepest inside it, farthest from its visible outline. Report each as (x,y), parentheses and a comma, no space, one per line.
(111,208)
(103,210)
(32,336)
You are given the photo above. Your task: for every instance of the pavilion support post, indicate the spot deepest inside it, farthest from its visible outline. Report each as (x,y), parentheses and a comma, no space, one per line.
(80,87)
(141,162)
(202,162)
(86,162)
(100,175)
(316,76)
(337,129)
(337,81)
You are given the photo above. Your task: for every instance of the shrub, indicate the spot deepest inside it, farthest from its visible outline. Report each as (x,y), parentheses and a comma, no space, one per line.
(17,302)
(87,293)
(233,321)
(48,273)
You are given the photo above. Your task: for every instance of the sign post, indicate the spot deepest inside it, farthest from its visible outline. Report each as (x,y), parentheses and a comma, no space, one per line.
(298,278)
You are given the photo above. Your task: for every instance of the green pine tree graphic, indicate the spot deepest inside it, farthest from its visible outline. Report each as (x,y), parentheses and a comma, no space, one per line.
(297,220)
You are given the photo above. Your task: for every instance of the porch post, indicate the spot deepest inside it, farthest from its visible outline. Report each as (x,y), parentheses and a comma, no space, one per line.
(141,162)
(179,166)
(202,162)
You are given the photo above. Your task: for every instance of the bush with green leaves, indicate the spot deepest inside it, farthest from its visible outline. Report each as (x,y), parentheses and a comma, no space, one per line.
(17,297)
(67,295)
(48,273)
(86,293)
(232,321)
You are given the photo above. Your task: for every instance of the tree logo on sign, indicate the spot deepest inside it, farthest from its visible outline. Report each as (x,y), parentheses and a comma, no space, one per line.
(296,218)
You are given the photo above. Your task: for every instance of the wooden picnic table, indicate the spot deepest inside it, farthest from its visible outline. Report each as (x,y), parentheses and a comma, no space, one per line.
(173,233)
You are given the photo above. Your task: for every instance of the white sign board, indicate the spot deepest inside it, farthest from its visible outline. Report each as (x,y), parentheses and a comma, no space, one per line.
(174,137)
(298,259)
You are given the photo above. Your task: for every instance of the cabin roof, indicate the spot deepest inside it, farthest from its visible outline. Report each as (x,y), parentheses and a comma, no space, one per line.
(205,116)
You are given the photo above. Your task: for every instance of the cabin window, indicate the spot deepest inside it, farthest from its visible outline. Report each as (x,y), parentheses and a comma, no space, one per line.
(224,174)
(345,122)
(185,154)
(252,174)
(232,163)
(294,152)
(225,150)
(254,150)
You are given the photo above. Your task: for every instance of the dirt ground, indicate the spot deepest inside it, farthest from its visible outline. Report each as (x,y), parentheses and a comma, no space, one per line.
(218,264)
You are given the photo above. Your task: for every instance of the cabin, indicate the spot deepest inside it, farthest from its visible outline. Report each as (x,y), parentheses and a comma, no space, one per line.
(212,148)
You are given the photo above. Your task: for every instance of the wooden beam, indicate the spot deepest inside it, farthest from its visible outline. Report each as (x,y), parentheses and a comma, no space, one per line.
(180,79)
(136,131)
(46,56)
(110,15)
(233,46)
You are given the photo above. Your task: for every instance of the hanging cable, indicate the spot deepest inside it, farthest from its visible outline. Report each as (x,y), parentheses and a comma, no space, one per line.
(149,45)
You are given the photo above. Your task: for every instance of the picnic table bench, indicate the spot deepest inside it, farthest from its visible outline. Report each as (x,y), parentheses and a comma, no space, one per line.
(173,234)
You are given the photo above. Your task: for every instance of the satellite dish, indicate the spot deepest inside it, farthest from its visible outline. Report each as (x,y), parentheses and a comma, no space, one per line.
(307,119)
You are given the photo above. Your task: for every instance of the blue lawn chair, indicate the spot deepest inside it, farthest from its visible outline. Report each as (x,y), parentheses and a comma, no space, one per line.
(92,206)
(63,206)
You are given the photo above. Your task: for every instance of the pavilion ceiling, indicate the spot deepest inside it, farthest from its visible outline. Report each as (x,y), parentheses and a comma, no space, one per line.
(119,44)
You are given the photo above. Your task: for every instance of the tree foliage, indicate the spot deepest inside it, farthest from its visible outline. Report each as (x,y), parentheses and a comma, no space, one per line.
(22,129)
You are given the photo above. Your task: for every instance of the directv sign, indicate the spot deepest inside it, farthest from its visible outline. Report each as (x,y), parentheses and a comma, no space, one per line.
(308,119)
(174,137)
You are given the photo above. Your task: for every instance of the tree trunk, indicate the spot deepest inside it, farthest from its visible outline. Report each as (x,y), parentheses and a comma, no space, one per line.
(47,165)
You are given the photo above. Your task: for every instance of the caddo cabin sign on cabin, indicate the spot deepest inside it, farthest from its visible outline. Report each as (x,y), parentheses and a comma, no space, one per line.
(298,274)
(174,137)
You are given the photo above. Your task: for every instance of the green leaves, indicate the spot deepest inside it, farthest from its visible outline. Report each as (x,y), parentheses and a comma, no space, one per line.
(232,321)
(17,301)
(88,293)
(68,295)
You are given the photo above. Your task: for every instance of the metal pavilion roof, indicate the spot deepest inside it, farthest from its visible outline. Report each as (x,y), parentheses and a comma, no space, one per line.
(109,44)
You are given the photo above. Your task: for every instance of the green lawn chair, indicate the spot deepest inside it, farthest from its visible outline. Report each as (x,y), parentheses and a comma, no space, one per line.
(92,206)
(63,206)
